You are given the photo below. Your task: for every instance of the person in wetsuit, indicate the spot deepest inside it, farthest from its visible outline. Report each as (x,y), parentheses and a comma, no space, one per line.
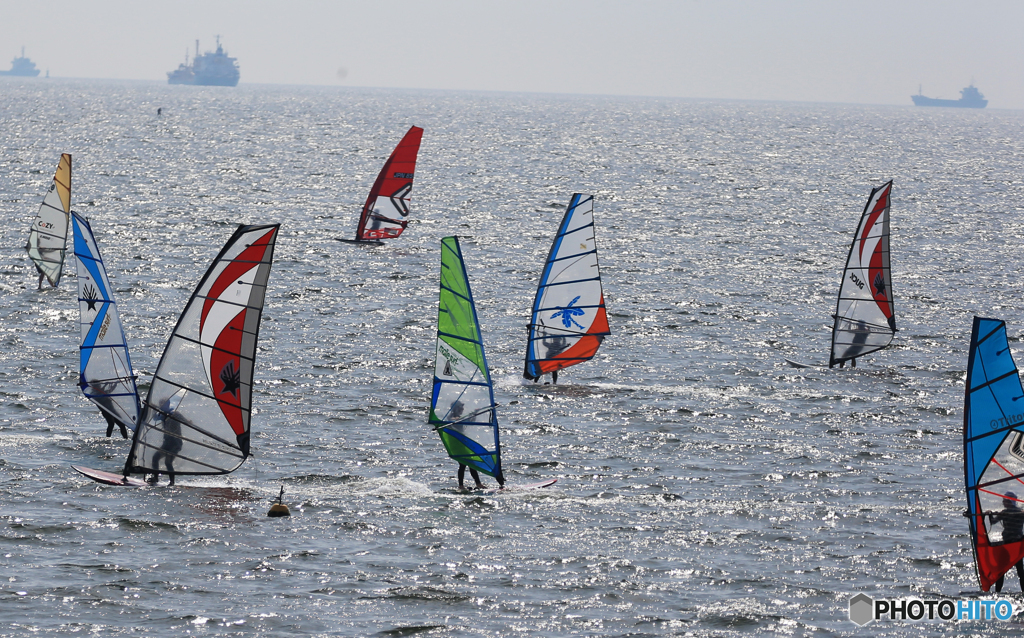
(111,422)
(1012,518)
(170,446)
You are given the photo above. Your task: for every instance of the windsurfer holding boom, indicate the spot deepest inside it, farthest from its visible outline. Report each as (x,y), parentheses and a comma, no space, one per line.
(454,414)
(1012,518)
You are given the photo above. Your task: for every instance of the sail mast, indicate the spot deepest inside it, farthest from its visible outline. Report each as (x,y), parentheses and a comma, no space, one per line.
(387,206)
(462,402)
(865,319)
(569,319)
(48,238)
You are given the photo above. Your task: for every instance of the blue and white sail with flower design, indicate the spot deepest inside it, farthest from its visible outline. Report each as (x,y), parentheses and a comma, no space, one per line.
(569,320)
(105,373)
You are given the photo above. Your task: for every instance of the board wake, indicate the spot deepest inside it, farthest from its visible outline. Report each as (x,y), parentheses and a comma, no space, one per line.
(109,478)
(798,364)
(522,488)
(370,242)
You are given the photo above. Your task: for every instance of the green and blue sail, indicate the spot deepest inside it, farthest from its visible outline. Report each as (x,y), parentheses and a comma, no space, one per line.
(462,409)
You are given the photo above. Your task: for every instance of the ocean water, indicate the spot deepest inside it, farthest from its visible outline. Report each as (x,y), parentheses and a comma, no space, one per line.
(704,487)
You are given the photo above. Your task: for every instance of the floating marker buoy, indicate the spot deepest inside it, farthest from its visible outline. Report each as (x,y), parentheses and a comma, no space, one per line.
(279,508)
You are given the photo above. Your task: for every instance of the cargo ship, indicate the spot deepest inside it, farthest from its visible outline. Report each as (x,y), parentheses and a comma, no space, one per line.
(208,69)
(970,98)
(22,67)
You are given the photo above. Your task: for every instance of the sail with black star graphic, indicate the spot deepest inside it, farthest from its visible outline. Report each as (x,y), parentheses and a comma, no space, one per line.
(865,319)
(48,238)
(105,372)
(569,319)
(197,415)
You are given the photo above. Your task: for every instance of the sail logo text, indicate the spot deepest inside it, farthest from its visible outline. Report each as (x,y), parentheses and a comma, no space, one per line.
(864,609)
(855,279)
(43,224)
(453,358)
(103,328)
(1009,421)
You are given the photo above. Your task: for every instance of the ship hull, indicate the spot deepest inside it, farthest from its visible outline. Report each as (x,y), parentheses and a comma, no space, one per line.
(920,100)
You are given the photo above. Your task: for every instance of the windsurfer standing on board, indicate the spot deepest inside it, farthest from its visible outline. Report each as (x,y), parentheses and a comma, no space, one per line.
(454,413)
(860,338)
(171,445)
(1012,518)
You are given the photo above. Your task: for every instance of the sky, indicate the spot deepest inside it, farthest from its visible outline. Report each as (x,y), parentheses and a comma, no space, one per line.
(863,51)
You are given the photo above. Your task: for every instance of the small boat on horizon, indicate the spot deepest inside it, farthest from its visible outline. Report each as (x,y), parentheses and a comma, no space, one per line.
(970,98)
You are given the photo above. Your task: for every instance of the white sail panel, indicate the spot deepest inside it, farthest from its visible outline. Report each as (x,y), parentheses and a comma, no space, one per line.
(197,414)
(105,375)
(48,238)
(865,318)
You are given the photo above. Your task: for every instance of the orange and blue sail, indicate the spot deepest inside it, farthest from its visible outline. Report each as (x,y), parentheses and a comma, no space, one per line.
(569,319)
(462,409)
(386,211)
(993,451)
(865,319)
(105,375)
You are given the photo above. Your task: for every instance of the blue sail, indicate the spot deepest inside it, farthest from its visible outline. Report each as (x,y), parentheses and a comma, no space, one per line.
(105,374)
(993,450)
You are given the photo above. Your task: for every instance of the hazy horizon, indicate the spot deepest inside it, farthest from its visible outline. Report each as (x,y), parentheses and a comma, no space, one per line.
(868,52)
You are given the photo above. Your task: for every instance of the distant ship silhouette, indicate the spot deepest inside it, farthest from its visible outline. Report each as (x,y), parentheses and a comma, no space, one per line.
(970,98)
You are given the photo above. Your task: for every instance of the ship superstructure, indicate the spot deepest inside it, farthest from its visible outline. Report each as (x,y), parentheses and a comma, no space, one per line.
(22,67)
(208,69)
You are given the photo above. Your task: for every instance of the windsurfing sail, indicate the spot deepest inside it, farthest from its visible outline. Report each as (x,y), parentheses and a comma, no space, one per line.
(993,451)
(462,403)
(569,320)
(864,318)
(105,373)
(47,241)
(196,418)
(387,206)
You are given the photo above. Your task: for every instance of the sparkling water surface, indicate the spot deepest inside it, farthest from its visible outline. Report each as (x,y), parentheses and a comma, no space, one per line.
(704,487)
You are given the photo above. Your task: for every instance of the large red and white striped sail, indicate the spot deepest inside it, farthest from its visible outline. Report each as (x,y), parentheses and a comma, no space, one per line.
(865,319)
(385,213)
(196,418)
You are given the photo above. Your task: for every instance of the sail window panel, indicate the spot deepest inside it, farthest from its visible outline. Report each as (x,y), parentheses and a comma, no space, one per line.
(183,365)
(457,400)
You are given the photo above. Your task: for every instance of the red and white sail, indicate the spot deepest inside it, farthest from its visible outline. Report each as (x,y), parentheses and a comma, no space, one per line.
(865,319)
(386,210)
(197,414)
